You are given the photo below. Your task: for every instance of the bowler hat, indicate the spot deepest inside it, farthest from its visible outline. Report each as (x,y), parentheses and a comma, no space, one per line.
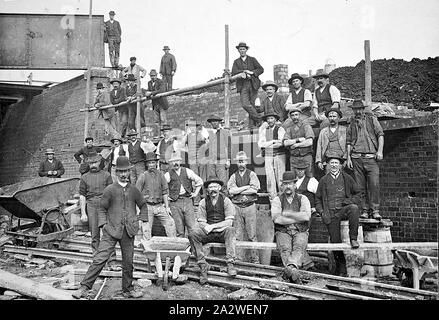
(301,165)
(289,176)
(334,155)
(165,127)
(93,158)
(132,132)
(99,85)
(166,48)
(241,155)
(212,179)
(335,109)
(111,13)
(116,138)
(214,118)
(357,104)
(115,80)
(270,83)
(122,163)
(242,44)
(50,150)
(295,76)
(153,72)
(295,109)
(88,138)
(151,156)
(271,114)
(321,73)
(175,156)
(133,58)
(131,77)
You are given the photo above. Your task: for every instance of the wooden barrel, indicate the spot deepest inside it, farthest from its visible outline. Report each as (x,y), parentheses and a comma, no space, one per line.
(354,258)
(378,263)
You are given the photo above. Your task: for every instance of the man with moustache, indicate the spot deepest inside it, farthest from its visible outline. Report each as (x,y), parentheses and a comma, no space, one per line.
(51,167)
(291,213)
(299,98)
(337,198)
(326,96)
(243,186)
(332,139)
(119,222)
(181,192)
(216,214)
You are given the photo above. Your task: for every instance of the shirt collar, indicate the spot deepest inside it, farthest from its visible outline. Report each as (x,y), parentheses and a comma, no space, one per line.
(122,184)
(336,175)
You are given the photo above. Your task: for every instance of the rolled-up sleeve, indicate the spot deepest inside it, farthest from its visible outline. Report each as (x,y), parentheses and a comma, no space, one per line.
(276,208)
(164,183)
(335,94)
(305,206)
(377,127)
(202,211)
(229,209)
(254,181)
(82,188)
(194,177)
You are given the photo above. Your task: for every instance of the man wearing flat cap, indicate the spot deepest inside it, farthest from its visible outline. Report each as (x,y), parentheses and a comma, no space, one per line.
(216,214)
(82,154)
(51,167)
(137,70)
(326,96)
(118,95)
(291,213)
(299,97)
(365,143)
(332,139)
(112,35)
(160,105)
(249,84)
(168,67)
(108,115)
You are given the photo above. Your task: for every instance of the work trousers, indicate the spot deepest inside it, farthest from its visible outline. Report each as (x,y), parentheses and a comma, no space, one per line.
(113,50)
(135,172)
(167,79)
(198,237)
(219,170)
(274,169)
(183,214)
(245,226)
(132,114)
(159,212)
(113,172)
(309,172)
(161,116)
(201,171)
(123,121)
(367,174)
(248,96)
(110,127)
(292,244)
(106,249)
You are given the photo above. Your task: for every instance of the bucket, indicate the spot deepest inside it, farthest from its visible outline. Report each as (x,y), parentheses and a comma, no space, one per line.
(378,263)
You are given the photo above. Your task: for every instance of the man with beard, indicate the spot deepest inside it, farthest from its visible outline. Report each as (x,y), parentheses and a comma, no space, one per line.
(291,213)
(326,96)
(180,182)
(215,224)
(118,95)
(154,188)
(337,199)
(331,140)
(243,186)
(298,139)
(119,222)
(51,167)
(299,98)
(91,188)
(365,143)
(271,144)
(85,152)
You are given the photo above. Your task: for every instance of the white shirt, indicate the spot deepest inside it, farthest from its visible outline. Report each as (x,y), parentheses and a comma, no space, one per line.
(307,96)
(312,184)
(123,184)
(262,142)
(191,176)
(174,145)
(244,58)
(116,152)
(333,92)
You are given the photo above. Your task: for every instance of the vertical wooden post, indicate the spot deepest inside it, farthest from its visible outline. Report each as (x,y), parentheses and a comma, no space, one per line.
(87,94)
(227,80)
(367,75)
(139,91)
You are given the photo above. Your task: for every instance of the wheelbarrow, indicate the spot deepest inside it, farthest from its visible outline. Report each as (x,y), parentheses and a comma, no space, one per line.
(40,200)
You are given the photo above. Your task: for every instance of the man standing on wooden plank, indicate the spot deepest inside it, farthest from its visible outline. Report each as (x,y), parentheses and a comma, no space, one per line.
(243,186)
(118,95)
(108,115)
(291,214)
(337,198)
(112,35)
(120,223)
(168,67)
(215,224)
(365,143)
(160,105)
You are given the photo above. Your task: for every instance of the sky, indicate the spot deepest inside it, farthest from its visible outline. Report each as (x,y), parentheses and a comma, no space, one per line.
(304,34)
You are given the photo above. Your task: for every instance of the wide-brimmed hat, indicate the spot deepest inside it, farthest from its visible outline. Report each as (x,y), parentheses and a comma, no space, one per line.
(212,179)
(99,85)
(115,80)
(88,138)
(295,109)
(93,158)
(242,44)
(175,156)
(50,151)
(289,176)
(166,48)
(335,109)
(295,76)
(111,13)
(116,138)
(131,77)
(165,127)
(271,114)
(357,104)
(320,73)
(151,156)
(269,83)
(241,155)
(301,165)
(132,132)
(214,118)
(153,72)
(334,155)
(123,163)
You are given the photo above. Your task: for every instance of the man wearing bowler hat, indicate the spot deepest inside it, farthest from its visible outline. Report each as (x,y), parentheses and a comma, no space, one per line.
(332,139)
(112,35)
(243,186)
(291,213)
(337,198)
(216,214)
(109,115)
(82,154)
(168,67)
(119,222)
(118,95)
(271,144)
(365,143)
(137,70)
(301,98)
(249,84)
(165,147)
(51,167)
(160,105)
(326,96)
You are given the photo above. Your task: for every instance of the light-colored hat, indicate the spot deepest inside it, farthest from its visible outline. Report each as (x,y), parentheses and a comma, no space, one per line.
(295,110)
(50,151)
(269,83)
(241,155)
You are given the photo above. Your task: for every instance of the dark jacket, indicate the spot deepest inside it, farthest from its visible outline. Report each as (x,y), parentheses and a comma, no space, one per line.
(46,166)
(118,209)
(168,64)
(252,65)
(103,99)
(118,98)
(352,191)
(158,87)
(277,106)
(112,30)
